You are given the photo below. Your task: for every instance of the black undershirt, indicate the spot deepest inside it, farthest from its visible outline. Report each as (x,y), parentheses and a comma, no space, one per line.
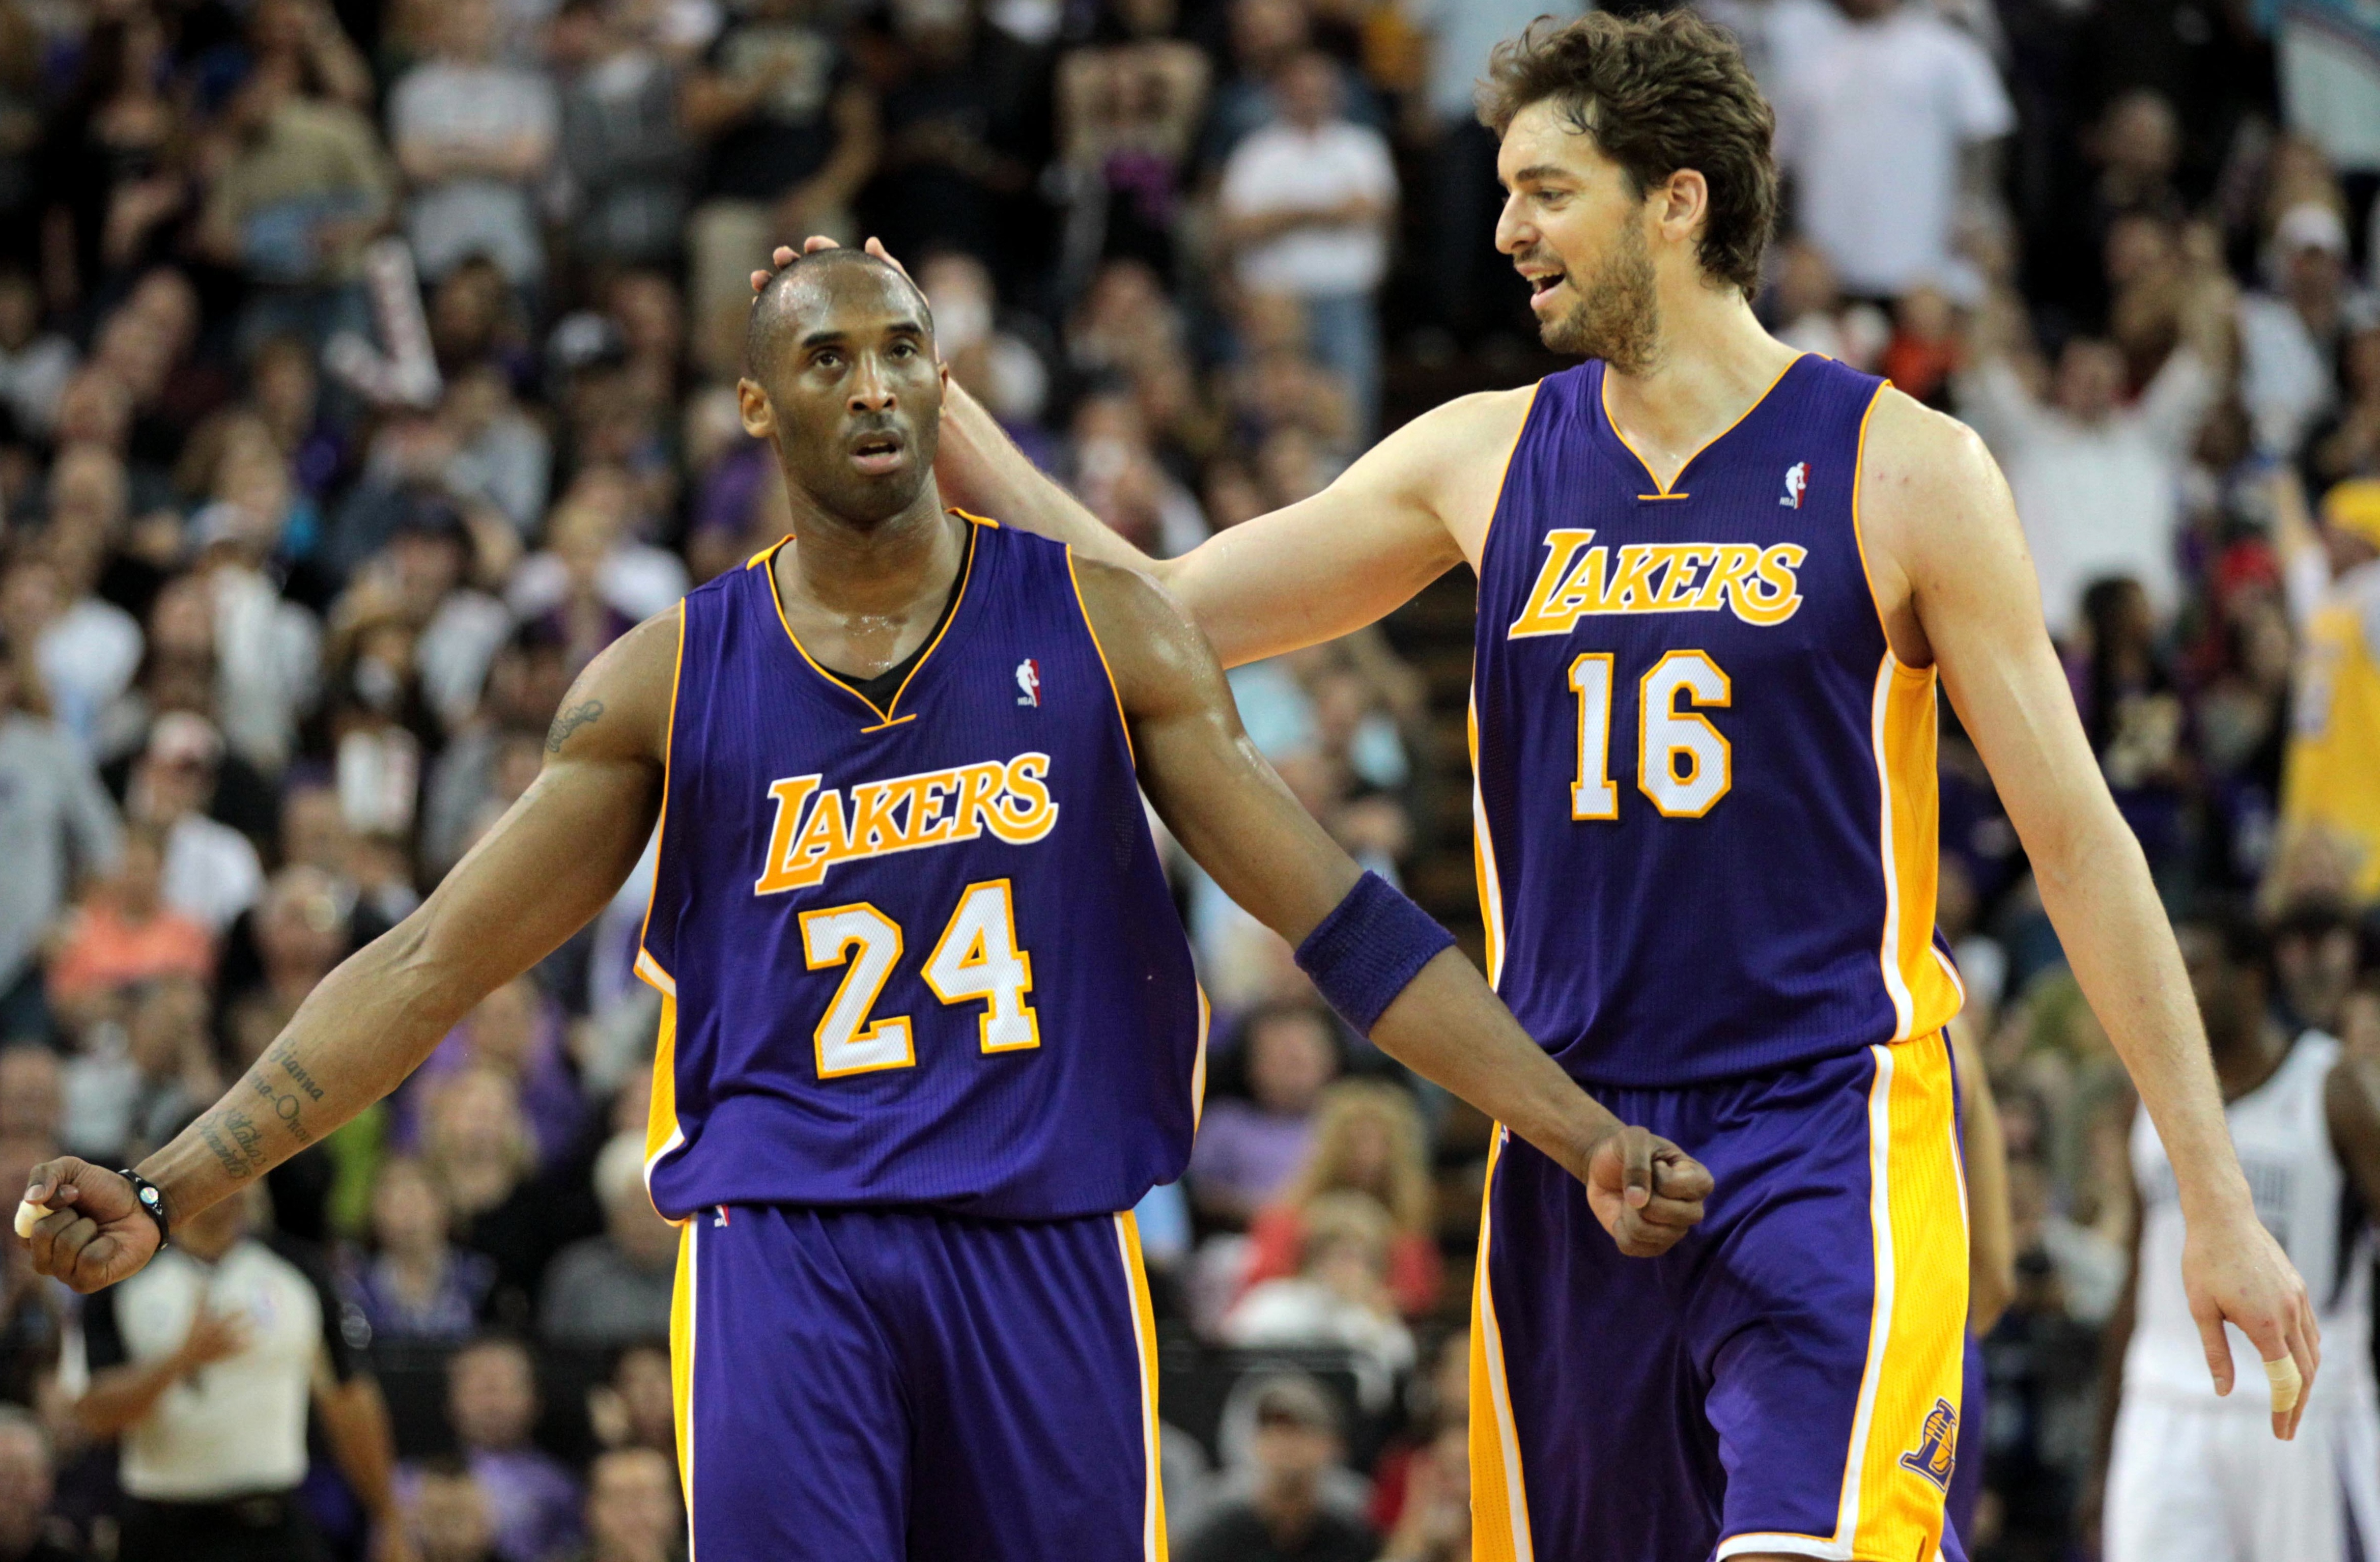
(880,689)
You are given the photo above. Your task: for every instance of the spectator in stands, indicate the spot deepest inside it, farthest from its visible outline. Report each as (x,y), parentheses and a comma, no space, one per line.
(416,1284)
(477,1148)
(2315,959)
(474,137)
(34,363)
(1338,1300)
(620,142)
(2289,337)
(32,1101)
(56,824)
(491,1404)
(612,1289)
(2095,481)
(793,134)
(123,932)
(204,1366)
(1305,205)
(1248,1150)
(28,1531)
(1283,1520)
(299,932)
(2330,798)
(86,649)
(632,1509)
(304,187)
(449,1517)
(1886,118)
(637,1407)
(1435,1525)
(1368,1138)
(125,1098)
(213,872)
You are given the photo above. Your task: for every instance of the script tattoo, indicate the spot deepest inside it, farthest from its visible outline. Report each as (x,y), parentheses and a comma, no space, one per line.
(285,1106)
(286,1055)
(244,1132)
(570,721)
(235,1165)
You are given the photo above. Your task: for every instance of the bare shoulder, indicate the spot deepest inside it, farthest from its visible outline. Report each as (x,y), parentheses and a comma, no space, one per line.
(1151,644)
(1927,485)
(1449,461)
(619,707)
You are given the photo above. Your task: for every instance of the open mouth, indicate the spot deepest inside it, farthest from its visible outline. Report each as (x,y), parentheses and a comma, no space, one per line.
(1542,285)
(878,453)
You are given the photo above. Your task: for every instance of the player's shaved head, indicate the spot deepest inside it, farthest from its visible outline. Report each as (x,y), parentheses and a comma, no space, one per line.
(793,300)
(841,377)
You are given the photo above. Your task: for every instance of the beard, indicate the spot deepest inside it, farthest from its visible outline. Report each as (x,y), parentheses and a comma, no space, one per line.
(1618,316)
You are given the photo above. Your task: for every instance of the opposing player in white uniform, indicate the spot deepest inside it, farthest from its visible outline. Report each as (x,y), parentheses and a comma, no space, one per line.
(2192,1478)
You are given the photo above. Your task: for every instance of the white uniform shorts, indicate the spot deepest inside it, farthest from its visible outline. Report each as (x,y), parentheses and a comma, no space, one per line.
(2192,1482)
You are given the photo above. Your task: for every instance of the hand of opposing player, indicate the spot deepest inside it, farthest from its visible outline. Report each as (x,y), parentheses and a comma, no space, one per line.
(1646,1190)
(2233,1272)
(96,1233)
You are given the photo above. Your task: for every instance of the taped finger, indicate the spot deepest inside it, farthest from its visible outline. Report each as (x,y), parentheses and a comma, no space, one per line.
(2287,1383)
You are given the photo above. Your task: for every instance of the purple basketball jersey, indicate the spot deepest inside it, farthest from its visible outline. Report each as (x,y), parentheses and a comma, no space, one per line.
(921,955)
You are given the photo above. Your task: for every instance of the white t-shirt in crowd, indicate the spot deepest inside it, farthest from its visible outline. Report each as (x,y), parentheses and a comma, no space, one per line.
(2097,499)
(212,872)
(1870,120)
(1281,168)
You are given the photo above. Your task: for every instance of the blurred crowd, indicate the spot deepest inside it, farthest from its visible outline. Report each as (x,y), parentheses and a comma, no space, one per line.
(367,366)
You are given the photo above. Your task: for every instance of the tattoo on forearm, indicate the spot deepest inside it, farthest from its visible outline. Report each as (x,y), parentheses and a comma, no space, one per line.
(570,721)
(244,1132)
(235,1165)
(285,1106)
(286,1055)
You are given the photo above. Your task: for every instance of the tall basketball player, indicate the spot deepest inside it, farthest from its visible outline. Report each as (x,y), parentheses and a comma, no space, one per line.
(928,1020)
(2187,1477)
(1718,584)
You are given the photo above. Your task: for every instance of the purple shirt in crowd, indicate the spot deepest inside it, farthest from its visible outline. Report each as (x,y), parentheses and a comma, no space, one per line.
(1244,1149)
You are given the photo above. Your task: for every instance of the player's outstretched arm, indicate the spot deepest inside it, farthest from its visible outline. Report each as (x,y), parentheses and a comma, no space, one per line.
(1414,506)
(1950,569)
(1241,823)
(548,866)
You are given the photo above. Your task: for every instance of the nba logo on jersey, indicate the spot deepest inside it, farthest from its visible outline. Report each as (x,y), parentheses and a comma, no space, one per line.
(1937,1445)
(1797,478)
(1028,679)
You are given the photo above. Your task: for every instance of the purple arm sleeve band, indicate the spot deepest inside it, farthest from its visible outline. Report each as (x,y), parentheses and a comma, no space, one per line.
(1368,949)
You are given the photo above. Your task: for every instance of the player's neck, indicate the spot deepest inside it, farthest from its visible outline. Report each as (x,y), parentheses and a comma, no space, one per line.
(1713,363)
(878,571)
(2243,1063)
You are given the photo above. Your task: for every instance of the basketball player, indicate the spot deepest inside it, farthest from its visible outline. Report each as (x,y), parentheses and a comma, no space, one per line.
(1718,584)
(2189,1478)
(928,1019)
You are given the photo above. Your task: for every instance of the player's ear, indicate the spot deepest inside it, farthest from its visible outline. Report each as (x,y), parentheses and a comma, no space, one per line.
(1682,203)
(752,407)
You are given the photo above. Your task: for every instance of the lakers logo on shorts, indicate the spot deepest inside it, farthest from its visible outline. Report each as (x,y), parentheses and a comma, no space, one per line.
(1938,1447)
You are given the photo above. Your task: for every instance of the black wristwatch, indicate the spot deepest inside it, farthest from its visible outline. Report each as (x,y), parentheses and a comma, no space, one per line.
(152,1204)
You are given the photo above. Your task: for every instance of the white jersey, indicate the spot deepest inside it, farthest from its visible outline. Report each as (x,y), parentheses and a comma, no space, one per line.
(2282,1132)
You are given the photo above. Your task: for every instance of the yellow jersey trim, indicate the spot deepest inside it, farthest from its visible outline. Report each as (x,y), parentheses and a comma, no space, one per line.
(1505,477)
(884,714)
(667,983)
(1669,489)
(1105,665)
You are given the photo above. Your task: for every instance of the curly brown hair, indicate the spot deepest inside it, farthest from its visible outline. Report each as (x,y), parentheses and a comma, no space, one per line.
(1657,94)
